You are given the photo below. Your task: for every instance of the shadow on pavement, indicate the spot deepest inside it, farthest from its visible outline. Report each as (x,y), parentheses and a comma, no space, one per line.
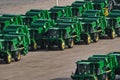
(61,79)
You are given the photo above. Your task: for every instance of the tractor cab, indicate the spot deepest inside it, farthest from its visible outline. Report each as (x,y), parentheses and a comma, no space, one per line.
(88,70)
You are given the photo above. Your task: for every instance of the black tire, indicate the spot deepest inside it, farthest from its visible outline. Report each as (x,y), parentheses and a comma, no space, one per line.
(33,46)
(62,45)
(112,76)
(112,34)
(71,43)
(96,37)
(105,77)
(49,47)
(8,58)
(43,46)
(17,56)
(118,32)
(87,39)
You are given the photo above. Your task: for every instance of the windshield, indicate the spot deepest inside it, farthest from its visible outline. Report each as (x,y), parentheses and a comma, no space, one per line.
(53,15)
(87,28)
(54,33)
(34,34)
(75,12)
(28,21)
(83,69)
(112,23)
(97,7)
(7,45)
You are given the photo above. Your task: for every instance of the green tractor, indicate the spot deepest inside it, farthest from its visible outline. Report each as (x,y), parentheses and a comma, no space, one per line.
(78,7)
(98,67)
(34,14)
(104,27)
(60,37)
(37,31)
(76,28)
(90,30)
(63,34)
(113,24)
(14,43)
(111,64)
(60,11)
(90,70)
(103,5)
(116,61)
(16,18)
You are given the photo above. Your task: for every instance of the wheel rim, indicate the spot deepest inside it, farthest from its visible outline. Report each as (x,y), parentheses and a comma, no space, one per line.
(106,78)
(63,45)
(72,44)
(97,38)
(9,58)
(89,39)
(19,56)
(113,34)
(35,46)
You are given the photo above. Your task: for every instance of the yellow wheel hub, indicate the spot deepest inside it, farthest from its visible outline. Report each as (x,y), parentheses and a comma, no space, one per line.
(63,45)
(106,78)
(113,34)
(19,56)
(97,38)
(9,58)
(89,40)
(35,46)
(72,44)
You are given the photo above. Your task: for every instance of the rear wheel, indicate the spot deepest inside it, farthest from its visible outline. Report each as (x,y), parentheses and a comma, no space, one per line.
(112,34)
(49,47)
(17,56)
(34,46)
(96,37)
(71,43)
(8,58)
(112,76)
(62,45)
(88,39)
(105,77)
(118,32)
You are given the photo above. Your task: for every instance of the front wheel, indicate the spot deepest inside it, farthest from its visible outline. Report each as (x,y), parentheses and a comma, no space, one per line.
(8,58)
(105,77)
(88,39)
(17,56)
(96,37)
(34,46)
(62,45)
(71,44)
(118,32)
(112,34)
